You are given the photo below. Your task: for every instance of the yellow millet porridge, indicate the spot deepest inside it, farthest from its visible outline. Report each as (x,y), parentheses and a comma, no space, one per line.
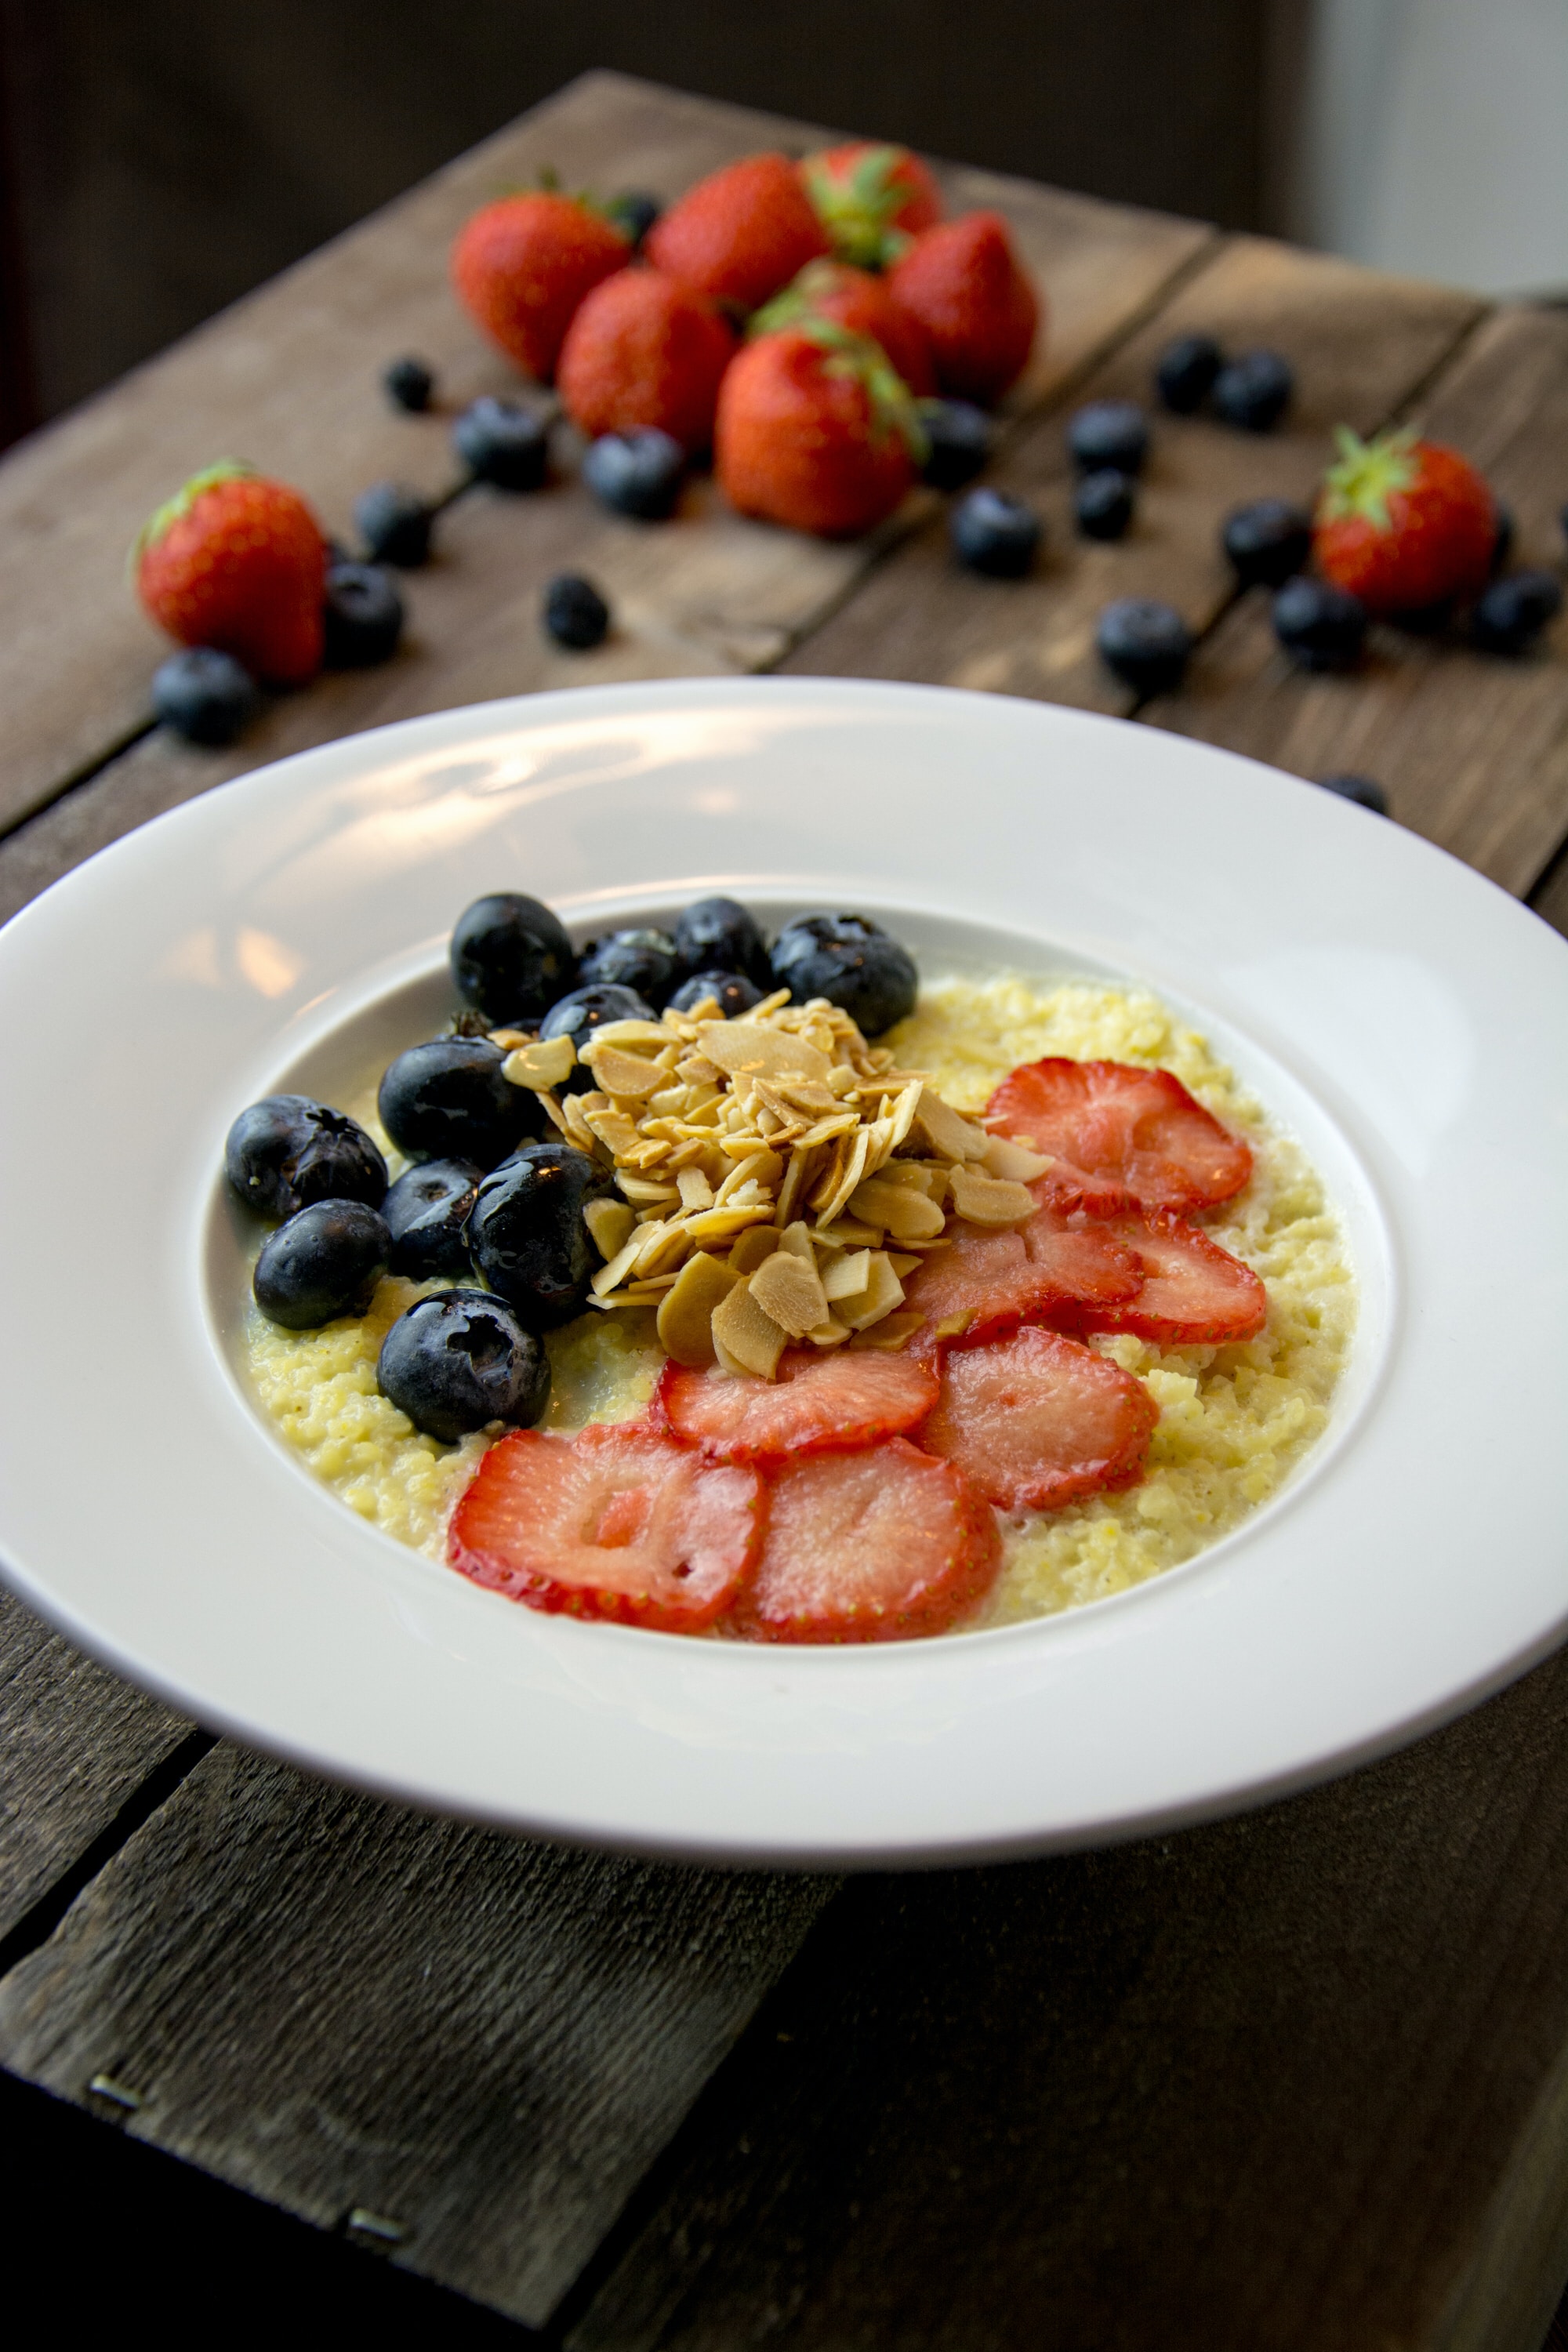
(1235,1420)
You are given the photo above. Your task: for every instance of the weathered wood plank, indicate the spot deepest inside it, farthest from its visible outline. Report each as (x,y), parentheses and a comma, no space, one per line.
(1253,2086)
(1473,751)
(1360,345)
(59,1789)
(288,379)
(336,2004)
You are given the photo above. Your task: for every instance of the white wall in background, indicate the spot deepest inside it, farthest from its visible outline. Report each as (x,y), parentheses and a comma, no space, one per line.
(1432,137)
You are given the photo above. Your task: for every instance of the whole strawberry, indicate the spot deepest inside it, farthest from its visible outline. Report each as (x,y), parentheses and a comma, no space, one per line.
(238,561)
(870,199)
(739,234)
(1403,523)
(815,430)
(643,350)
(964,283)
(832,289)
(522,265)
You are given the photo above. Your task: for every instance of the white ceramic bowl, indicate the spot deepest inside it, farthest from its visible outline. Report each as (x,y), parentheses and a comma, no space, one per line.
(1405,1018)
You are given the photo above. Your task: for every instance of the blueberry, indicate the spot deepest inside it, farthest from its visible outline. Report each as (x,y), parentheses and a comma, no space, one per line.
(205,695)
(461,1361)
(733,991)
(325,1262)
(1185,370)
(503,443)
(994,534)
(1102,504)
(408,383)
(1254,391)
(1321,628)
(958,438)
(853,963)
(718,935)
(1511,614)
(285,1152)
(362,615)
(511,958)
(643,960)
(1360,789)
(1267,540)
(447,1100)
(634,213)
(394,523)
(1502,544)
(1108,433)
(587,1009)
(425,1211)
(575,614)
(1145,642)
(526,1234)
(636,473)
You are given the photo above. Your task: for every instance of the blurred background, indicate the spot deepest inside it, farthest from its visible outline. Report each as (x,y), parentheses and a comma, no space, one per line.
(160,157)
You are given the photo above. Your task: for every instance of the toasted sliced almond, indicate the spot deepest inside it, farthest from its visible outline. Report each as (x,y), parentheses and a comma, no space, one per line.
(630,1036)
(696,1192)
(610,1224)
(509,1040)
(706,1225)
(696,1070)
(797,1239)
(797,1178)
(790,1290)
(614,1130)
(990,1199)
(848,1233)
(848,1275)
(761,1168)
(831,1334)
(611,1276)
(893,1331)
(631,1076)
(1015,1162)
(747,1333)
(753,1246)
(903,1263)
(749,1049)
(902,1211)
(539,1063)
(882,1293)
(950,1137)
(853,1170)
(645,1191)
(916,1176)
(686,1316)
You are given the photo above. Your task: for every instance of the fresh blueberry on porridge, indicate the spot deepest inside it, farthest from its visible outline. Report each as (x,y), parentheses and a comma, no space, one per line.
(827,1304)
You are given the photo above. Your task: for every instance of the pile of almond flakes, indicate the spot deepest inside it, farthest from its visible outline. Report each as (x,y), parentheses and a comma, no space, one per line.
(779,1177)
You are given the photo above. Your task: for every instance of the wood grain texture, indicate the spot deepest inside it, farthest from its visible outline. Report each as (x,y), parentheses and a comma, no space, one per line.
(75,1741)
(1471,748)
(288,378)
(1359,342)
(335,2003)
(1250,2089)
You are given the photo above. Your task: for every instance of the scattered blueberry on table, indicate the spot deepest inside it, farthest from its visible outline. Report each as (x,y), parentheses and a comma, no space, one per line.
(1362,790)
(1113,433)
(958,441)
(1511,612)
(408,383)
(1267,542)
(1254,391)
(994,534)
(1185,370)
(575,614)
(1320,626)
(362,615)
(461,1361)
(1102,504)
(637,474)
(502,443)
(394,523)
(1145,642)
(203,695)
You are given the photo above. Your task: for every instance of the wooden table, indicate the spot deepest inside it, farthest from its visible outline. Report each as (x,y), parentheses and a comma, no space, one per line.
(1296,2080)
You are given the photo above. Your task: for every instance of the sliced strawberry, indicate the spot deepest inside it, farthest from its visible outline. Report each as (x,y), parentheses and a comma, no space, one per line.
(1035,1421)
(1121,1136)
(817,1404)
(869,1547)
(620,1521)
(1086,1264)
(1193,1291)
(981,1284)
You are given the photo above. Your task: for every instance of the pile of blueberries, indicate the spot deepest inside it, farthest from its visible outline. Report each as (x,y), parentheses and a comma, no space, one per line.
(492,1191)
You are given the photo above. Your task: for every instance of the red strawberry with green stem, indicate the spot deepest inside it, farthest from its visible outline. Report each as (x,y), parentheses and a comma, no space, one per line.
(816,431)
(1403,523)
(523,264)
(739,234)
(238,561)
(979,308)
(872,200)
(832,289)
